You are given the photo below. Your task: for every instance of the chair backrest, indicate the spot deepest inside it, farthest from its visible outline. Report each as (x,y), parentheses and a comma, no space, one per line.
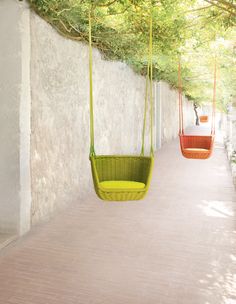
(130,168)
(203,118)
(197,142)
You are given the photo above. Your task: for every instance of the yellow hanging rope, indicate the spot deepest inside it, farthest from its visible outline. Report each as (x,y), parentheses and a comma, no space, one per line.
(149,84)
(92,150)
(214,99)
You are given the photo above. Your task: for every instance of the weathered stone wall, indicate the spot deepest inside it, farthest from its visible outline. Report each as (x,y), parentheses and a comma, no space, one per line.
(9,116)
(233,120)
(14,118)
(230,137)
(60,116)
(233,157)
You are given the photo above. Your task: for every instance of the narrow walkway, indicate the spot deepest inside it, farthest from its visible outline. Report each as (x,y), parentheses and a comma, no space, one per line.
(178,246)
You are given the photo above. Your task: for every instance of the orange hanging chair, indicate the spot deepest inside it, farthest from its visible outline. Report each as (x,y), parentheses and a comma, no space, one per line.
(203,118)
(196,146)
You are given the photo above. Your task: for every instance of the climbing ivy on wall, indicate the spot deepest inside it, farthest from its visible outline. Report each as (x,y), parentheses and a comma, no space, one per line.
(195,30)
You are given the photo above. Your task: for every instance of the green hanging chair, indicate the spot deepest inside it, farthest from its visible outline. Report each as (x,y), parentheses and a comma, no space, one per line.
(116,177)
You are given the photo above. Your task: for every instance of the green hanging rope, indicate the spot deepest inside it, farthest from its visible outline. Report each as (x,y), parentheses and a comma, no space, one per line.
(151,87)
(92,150)
(145,111)
(149,84)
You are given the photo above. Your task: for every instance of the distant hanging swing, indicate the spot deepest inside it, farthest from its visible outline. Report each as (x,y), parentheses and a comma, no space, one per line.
(203,118)
(116,177)
(196,146)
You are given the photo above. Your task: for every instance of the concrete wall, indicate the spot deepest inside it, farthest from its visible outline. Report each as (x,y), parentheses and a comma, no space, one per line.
(14,117)
(230,137)
(233,122)
(44,90)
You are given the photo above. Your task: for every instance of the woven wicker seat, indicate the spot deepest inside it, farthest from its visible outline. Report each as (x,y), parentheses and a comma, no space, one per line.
(203,118)
(112,168)
(196,146)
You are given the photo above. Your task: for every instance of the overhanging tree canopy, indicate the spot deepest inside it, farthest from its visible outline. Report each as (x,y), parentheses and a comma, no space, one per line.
(196,30)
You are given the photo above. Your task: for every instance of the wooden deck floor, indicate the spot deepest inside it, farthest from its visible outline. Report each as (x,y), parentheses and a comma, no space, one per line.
(178,246)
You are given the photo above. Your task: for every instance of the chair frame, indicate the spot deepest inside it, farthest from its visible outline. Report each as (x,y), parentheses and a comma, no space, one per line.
(117,167)
(196,142)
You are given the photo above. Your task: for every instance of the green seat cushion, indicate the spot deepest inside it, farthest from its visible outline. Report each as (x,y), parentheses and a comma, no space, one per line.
(122,185)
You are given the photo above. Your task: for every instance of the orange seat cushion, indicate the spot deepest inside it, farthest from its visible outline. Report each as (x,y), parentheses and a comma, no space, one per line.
(196,149)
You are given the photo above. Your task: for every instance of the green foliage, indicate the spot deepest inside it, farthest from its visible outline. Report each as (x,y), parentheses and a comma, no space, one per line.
(193,29)
(233,157)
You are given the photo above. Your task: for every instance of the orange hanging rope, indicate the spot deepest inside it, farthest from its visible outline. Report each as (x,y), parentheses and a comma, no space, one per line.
(214,101)
(181,123)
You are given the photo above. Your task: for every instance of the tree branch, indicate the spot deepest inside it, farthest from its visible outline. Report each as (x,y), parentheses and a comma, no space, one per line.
(198,9)
(107,4)
(221,7)
(228,4)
